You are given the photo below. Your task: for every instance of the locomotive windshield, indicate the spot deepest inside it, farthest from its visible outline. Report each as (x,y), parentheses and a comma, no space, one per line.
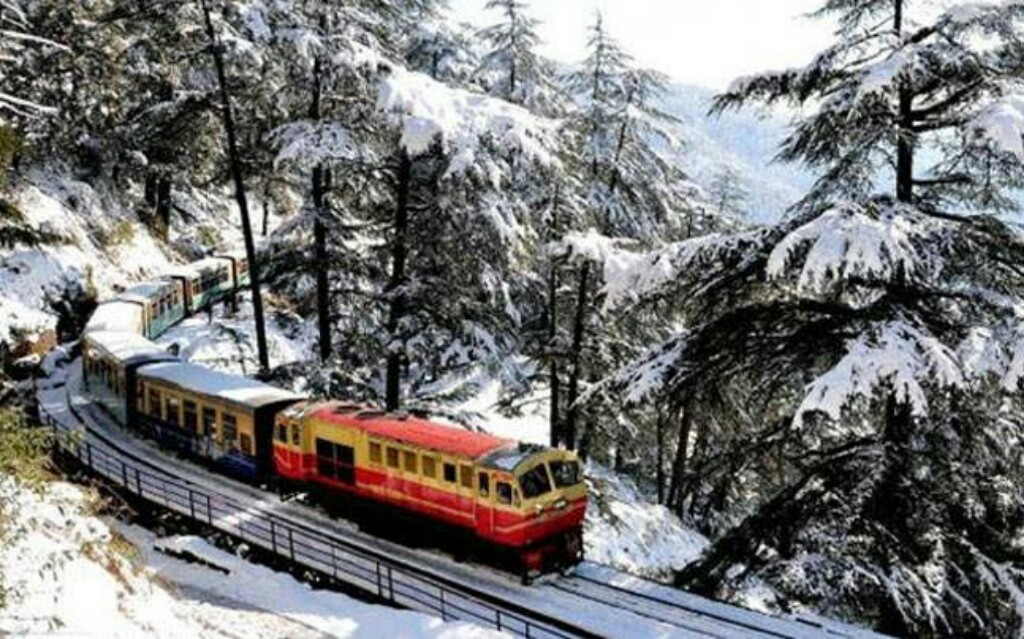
(535,482)
(566,473)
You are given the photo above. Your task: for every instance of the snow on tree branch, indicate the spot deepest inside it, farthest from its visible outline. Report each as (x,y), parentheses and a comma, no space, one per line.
(1002,124)
(428,111)
(854,242)
(306,144)
(896,354)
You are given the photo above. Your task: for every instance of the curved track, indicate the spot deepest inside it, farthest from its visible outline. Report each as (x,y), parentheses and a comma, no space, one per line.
(594,602)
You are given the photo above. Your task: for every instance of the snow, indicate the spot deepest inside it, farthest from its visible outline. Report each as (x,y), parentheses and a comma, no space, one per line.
(428,111)
(1002,124)
(848,242)
(624,530)
(116,317)
(100,242)
(305,144)
(895,353)
(233,388)
(123,346)
(70,573)
(226,342)
(333,614)
(63,577)
(531,425)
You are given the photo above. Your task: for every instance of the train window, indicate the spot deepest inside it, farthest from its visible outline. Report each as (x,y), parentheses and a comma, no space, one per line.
(375,452)
(449,473)
(466,476)
(566,473)
(409,461)
(535,482)
(282,433)
(246,442)
(155,407)
(392,457)
(174,410)
(324,458)
(345,458)
(335,461)
(504,492)
(429,467)
(483,481)
(191,416)
(209,421)
(296,435)
(230,431)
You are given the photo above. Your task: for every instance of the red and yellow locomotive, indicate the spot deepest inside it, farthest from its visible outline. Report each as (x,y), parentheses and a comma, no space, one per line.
(525,499)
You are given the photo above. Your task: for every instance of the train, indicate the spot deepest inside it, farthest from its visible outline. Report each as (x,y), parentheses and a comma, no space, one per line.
(517,504)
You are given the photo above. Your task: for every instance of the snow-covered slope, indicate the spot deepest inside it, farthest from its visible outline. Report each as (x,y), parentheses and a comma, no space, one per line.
(746,141)
(70,573)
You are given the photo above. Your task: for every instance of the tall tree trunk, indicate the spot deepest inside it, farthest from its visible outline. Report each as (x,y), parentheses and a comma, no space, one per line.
(613,180)
(163,205)
(266,211)
(392,390)
(676,492)
(323,293)
(243,204)
(579,325)
(150,191)
(554,381)
(905,142)
(659,471)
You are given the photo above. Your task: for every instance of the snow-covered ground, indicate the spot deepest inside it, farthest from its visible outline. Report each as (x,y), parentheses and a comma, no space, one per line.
(70,573)
(225,341)
(98,242)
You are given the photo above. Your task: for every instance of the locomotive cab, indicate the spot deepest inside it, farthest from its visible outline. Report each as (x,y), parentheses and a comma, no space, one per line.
(545,515)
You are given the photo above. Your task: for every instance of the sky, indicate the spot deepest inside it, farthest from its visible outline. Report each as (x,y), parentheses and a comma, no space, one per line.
(708,43)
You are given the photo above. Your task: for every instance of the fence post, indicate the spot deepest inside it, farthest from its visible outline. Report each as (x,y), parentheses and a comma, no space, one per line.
(209,511)
(273,537)
(497,618)
(138,481)
(391,586)
(334,562)
(380,586)
(88,453)
(443,616)
(291,544)
(124,474)
(191,504)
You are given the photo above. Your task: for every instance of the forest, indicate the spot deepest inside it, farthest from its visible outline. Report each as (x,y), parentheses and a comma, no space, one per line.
(833,398)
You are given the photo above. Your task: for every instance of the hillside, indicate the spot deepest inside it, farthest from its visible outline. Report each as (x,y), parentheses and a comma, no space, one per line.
(745,141)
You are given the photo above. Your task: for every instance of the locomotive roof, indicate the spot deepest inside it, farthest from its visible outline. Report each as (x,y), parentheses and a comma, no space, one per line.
(115,316)
(124,346)
(232,388)
(413,431)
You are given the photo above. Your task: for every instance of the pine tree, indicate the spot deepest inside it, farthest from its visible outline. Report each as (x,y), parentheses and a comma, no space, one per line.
(631,191)
(511,68)
(841,368)
(727,193)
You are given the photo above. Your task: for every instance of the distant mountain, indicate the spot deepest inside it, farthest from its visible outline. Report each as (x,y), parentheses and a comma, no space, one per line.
(747,141)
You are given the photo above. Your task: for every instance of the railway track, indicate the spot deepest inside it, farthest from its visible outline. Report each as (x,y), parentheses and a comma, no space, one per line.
(595,602)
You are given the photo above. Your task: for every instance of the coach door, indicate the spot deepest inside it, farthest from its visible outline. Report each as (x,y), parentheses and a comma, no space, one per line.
(484,503)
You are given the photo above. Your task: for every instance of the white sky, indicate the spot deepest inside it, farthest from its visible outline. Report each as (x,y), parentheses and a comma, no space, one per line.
(706,42)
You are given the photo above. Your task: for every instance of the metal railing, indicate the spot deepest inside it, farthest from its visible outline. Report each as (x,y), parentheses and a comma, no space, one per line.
(369,570)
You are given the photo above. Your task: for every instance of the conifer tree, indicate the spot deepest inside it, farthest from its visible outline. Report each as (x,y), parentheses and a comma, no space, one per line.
(841,368)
